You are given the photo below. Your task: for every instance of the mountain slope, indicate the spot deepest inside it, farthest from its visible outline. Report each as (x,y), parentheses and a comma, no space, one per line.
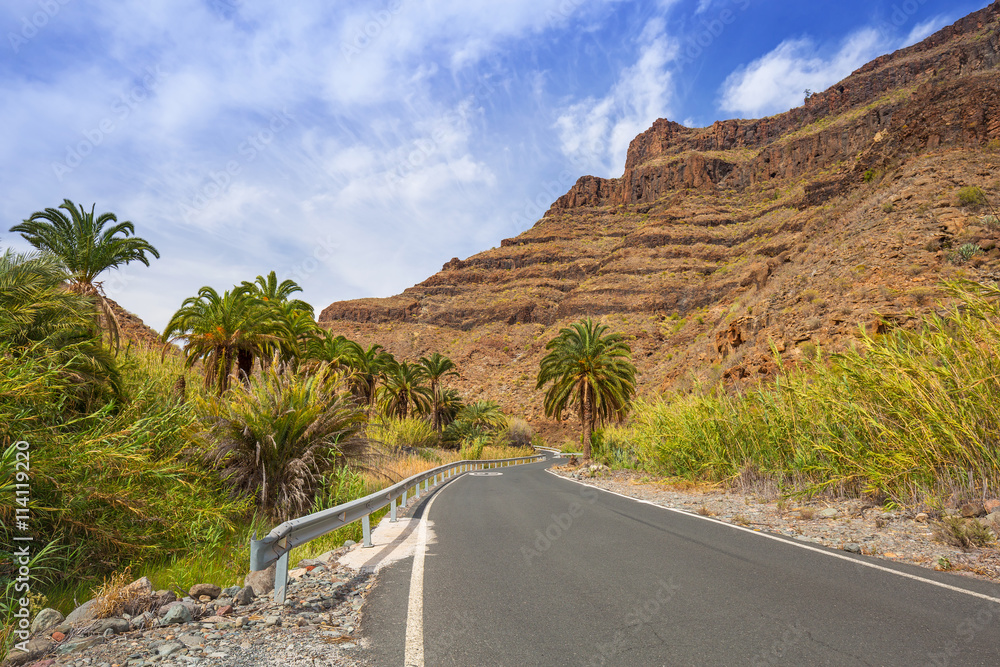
(719,244)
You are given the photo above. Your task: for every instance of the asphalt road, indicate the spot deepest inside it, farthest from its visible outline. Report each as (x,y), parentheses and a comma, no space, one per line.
(531,569)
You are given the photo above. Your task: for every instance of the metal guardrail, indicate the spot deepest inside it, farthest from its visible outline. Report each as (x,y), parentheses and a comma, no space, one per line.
(557,453)
(276,545)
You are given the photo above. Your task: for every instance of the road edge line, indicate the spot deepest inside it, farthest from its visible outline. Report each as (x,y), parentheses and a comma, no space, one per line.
(794,543)
(414,642)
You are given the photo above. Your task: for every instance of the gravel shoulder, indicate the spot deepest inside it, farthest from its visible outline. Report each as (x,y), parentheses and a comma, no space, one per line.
(900,535)
(318,625)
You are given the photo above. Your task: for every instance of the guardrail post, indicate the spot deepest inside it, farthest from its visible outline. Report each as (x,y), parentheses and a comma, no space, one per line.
(281,579)
(416,492)
(366,531)
(392,511)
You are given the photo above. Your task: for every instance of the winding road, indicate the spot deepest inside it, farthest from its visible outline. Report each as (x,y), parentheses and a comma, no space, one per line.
(527,568)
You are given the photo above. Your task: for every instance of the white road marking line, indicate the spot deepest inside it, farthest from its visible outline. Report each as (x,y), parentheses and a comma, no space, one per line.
(769,536)
(414,654)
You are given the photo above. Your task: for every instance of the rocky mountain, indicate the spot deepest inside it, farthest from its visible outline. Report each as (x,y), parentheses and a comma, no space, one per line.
(133,330)
(720,247)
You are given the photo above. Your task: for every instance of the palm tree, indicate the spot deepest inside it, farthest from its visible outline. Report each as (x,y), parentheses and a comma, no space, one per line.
(297,316)
(474,422)
(87,249)
(301,332)
(588,369)
(449,406)
(234,328)
(369,367)
(437,367)
(337,351)
(404,389)
(269,290)
(275,439)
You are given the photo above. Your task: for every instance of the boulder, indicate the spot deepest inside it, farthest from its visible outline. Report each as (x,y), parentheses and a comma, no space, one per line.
(79,644)
(211,590)
(45,619)
(827,513)
(165,597)
(231,591)
(82,614)
(142,621)
(262,581)
(37,647)
(116,625)
(992,505)
(244,597)
(971,510)
(141,587)
(177,613)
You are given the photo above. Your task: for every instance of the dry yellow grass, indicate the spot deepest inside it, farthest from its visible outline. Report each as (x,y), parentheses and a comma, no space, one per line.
(116,596)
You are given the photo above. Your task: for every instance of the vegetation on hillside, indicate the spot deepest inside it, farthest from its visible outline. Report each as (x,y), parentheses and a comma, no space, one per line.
(135,465)
(908,416)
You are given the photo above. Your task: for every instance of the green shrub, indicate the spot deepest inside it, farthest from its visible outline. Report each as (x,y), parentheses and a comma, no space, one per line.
(518,433)
(963,534)
(612,447)
(971,196)
(870,175)
(118,485)
(274,440)
(963,253)
(408,432)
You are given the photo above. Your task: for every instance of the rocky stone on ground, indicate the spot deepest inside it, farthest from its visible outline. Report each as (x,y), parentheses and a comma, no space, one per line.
(45,619)
(244,596)
(177,613)
(317,625)
(85,612)
(210,590)
(262,581)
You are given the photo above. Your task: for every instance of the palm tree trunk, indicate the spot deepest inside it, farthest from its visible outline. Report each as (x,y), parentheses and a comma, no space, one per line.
(587,417)
(435,417)
(244,365)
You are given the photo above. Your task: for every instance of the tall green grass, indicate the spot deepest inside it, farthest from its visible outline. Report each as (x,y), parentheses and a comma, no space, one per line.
(908,416)
(406,432)
(113,485)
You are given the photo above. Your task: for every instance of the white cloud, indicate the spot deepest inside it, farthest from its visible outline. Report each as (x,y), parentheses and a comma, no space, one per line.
(391,165)
(595,133)
(923,30)
(776,82)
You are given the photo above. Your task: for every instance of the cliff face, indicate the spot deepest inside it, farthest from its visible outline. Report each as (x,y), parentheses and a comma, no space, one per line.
(718,244)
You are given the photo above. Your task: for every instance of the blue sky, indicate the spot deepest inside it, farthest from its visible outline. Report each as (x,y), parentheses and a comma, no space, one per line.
(357,146)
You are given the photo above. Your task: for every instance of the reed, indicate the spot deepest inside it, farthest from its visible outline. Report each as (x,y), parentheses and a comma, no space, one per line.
(908,416)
